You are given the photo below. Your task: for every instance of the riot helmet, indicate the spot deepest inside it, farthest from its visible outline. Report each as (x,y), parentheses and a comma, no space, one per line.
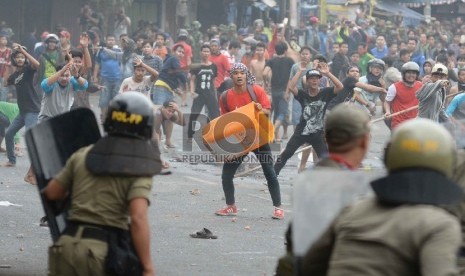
(130,114)
(421,143)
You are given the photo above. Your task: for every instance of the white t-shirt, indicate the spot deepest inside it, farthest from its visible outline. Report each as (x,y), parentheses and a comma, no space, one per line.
(143,87)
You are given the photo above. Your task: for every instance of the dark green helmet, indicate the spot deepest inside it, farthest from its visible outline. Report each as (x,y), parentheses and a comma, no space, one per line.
(130,114)
(421,143)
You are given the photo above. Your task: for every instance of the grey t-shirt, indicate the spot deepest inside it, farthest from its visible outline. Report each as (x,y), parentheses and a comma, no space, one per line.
(57,99)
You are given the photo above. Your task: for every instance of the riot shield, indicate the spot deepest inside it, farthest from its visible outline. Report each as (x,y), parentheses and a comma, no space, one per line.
(319,196)
(50,144)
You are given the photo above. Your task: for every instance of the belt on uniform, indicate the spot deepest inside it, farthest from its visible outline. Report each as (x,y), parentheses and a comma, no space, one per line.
(88,232)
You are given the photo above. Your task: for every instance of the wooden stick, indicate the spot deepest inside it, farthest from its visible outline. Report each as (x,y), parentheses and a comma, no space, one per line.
(259,166)
(407,110)
(394,114)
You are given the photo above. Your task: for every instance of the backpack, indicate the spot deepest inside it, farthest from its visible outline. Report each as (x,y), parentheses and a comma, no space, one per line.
(224,98)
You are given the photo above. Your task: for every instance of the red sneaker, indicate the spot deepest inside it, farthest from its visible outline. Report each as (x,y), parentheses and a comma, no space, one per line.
(230,210)
(278,213)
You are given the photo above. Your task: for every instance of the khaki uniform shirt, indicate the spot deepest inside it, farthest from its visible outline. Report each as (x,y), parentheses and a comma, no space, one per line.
(371,239)
(102,200)
(459,210)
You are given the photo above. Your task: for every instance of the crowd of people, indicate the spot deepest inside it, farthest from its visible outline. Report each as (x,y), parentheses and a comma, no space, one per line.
(327,81)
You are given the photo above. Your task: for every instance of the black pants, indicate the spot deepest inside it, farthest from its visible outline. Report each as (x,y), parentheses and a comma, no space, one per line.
(4,123)
(202,100)
(265,158)
(315,139)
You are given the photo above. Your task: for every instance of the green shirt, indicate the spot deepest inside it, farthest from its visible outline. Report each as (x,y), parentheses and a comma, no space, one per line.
(363,62)
(11,111)
(102,200)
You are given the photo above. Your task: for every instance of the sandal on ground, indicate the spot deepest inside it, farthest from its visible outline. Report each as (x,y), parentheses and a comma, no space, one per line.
(170,146)
(8,164)
(44,222)
(31,180)
(204,234)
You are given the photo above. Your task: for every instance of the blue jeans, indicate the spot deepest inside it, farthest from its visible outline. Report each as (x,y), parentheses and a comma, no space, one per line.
(161,94)
(25,119)
(317,140)
(265,158)
(279,108)
(110,91)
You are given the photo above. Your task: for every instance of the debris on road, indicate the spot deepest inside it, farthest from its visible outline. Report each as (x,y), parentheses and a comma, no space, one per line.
(7,203)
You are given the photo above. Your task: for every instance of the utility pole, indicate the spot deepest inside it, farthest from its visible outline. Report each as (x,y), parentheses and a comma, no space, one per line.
(427,11)
(322,11)
(294,13)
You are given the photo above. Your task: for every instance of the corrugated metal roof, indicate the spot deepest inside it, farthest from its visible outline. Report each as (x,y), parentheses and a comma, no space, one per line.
(345,2)
(395,7)
(420,3)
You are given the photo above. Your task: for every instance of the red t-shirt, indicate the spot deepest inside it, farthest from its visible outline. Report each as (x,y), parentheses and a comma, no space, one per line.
(187,53)
(4,61)
(405,98)
(223,67)
(236,100)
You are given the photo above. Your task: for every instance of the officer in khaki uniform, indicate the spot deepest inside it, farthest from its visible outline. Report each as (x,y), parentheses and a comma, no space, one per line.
(108,182)
(347,133)
(459,209)
(401,231)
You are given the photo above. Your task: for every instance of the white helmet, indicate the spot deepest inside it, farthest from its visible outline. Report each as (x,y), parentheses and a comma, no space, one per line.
(410,66)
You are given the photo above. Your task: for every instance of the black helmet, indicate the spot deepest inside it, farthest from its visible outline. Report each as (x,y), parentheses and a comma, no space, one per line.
(130,114)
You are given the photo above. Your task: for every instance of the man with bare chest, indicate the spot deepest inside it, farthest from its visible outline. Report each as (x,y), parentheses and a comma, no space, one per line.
(257,65)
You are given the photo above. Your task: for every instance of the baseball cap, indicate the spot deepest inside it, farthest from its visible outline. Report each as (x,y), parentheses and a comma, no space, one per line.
(250,40)
(313,73)
(242,32)
(214,41)
(344,123)
(314,19)
(183,32)
(439,69)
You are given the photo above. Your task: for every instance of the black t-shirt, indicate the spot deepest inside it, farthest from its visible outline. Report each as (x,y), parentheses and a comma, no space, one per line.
(204,78)
(281,69)
(313,110)
(345,95)
(28,99)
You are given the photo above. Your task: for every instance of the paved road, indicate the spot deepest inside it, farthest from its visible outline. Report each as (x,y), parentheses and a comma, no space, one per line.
(182,203)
